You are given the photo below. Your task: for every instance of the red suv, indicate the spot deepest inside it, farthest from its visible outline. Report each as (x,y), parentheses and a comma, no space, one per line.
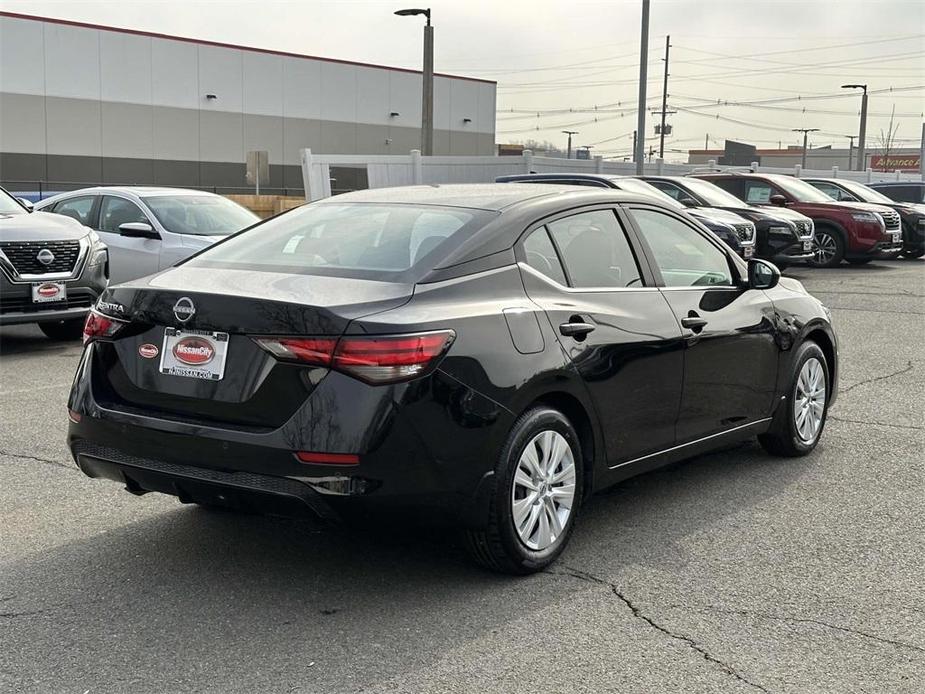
(854,231)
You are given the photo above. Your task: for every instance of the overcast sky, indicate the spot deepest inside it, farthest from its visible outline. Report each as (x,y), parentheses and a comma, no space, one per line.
(551,56)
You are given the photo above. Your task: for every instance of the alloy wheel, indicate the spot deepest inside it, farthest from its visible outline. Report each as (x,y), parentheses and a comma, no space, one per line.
(826,248)
(544,490)
(809,400)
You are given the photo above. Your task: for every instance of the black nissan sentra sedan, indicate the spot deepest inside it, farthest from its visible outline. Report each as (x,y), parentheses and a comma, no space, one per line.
(493,354)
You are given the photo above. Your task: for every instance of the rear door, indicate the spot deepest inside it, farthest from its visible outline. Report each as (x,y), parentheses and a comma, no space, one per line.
(730,352)
(616,328)
(129,258)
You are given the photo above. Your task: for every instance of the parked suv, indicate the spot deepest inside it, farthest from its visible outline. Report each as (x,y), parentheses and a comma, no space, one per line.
(737,232)
(52,269)
(783,236)
(854,231)
(902,191)
(150,229)
(912,215)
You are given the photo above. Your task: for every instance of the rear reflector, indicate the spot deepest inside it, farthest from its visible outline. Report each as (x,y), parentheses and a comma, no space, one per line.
(99,326)
(73,416)
(377,359)
(328,458)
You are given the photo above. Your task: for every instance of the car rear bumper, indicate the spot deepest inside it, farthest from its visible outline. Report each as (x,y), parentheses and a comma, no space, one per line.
(406,461)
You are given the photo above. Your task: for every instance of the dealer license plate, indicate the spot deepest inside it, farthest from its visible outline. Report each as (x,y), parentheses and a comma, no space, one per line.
(808,245)
(194,354)
(43,292)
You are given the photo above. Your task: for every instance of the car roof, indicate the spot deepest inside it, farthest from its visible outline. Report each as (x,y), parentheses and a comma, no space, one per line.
(487,196)
(558,177)
(137,191)
(890,184)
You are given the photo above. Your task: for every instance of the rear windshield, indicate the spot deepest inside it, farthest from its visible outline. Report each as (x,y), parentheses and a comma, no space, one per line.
(367,241)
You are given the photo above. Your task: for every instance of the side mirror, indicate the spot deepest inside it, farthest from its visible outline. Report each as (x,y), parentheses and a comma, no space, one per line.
(778,200)
(25,203)
(762,274)
(138,230)
(689,202)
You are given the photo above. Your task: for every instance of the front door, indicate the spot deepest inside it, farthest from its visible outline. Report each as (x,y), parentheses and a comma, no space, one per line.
(616,328)
(129,258)
(730,355)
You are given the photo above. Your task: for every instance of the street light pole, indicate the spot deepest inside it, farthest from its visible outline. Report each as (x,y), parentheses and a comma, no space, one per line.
(806,132)
(661,138)
(850,150)
(643,75)
(862,134)
(427,88)
(568,154)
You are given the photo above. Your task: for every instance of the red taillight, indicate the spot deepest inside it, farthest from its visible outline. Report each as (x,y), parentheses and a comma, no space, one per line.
(328,458)
(310,350)
(100,326)
(74,416)
(390,358)
(379,359)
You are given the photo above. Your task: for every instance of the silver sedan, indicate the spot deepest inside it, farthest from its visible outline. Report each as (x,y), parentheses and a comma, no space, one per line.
(149,229)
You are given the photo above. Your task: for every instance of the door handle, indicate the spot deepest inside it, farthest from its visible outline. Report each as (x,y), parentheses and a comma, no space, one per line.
(575,329)
(695,323)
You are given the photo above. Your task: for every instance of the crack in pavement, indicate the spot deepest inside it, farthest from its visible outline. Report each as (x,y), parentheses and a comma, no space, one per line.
(804,620)
(13,615)
(48,461)
(639,614)
(877,424)
(875,379)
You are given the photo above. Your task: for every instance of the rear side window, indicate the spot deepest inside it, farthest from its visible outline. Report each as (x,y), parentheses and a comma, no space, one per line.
(542,256)
(669,189)
(76,208)
(390,242)
(595,250)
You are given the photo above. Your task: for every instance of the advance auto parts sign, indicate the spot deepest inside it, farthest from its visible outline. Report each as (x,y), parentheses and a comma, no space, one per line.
(894,162)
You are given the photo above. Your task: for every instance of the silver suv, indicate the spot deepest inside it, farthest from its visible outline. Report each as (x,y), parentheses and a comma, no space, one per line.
(149,229)
(52,269)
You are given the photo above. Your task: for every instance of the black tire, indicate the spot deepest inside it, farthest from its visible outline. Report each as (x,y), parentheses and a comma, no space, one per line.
(63,329)
(783,437)
(859,261)
(915,253)
(830,248)
(498,546)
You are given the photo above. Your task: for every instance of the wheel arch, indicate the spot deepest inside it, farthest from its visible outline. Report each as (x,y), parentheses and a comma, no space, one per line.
(581,419)
(826,343)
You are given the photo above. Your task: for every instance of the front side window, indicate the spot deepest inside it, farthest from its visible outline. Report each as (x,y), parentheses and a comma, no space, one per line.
(595,250)
(114,212)
(390,242)
(684,257)
(76,208)
(758,193)
(670,189)
(833,192)
(200,215)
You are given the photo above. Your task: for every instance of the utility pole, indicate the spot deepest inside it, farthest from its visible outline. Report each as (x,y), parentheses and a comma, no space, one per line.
(427,91)
(706,141)
(806,132)
(862,134)
(569,133)
(643,76)
(661,138)
(634,145)
(850,151)
(922,154)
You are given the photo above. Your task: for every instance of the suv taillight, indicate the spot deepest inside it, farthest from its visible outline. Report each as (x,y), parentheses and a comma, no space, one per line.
(99,326)
(377,359)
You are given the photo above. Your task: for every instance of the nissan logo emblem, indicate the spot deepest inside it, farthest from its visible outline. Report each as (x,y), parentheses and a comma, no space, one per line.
(45,257)
(184,309)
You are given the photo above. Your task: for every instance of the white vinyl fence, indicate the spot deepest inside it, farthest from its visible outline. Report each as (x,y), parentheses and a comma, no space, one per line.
(383,171)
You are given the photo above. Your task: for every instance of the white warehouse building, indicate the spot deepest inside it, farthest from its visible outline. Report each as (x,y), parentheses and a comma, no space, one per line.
(83,104)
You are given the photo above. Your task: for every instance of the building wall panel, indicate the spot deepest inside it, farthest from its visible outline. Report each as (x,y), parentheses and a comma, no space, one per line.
(175,74)
(221,74)
(22,123)
(22,56)
(72,62)
(73,127)
(125,67)
(127,130)
(221,136)
(175,133)
(263,83)
(301,88)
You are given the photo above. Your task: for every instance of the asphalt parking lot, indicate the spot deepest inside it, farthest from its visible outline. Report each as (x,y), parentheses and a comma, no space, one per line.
(734,572)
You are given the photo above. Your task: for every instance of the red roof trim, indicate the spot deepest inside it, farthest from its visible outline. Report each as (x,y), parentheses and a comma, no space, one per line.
(203,42)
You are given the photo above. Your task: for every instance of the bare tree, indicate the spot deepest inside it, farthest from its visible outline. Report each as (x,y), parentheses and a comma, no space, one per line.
(886,142)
